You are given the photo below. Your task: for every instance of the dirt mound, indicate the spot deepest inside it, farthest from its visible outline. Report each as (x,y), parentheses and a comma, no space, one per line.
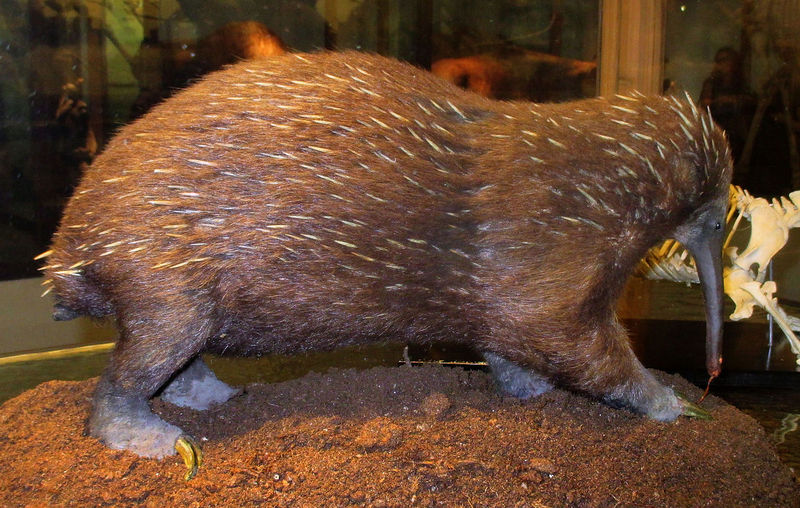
(394,437)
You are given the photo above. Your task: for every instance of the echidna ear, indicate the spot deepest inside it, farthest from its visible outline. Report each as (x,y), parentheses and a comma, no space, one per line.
(717,157)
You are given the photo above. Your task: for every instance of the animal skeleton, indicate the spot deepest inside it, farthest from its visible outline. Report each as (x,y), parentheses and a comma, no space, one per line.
(744,284)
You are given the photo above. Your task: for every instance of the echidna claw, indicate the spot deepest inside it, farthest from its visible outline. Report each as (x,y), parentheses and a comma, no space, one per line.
(692,410)
(191,455)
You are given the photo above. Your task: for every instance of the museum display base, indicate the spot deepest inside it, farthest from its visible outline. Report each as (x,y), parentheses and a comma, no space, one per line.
(396,437)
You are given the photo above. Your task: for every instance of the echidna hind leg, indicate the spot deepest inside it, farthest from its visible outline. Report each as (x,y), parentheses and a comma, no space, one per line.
(197,387)
(155,342)
(127,423)
(515,380)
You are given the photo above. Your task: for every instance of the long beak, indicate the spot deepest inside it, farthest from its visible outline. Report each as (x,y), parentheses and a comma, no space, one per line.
(707,253)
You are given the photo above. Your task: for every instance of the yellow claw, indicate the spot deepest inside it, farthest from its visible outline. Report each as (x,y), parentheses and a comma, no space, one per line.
(692,410)
(191,455)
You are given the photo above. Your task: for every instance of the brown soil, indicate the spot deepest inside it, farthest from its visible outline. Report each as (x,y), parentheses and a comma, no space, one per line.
(395,437)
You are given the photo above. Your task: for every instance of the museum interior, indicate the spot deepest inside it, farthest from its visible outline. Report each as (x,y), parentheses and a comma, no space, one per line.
(75,73)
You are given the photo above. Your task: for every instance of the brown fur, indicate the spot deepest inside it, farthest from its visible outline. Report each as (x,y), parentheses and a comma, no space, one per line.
(321,200)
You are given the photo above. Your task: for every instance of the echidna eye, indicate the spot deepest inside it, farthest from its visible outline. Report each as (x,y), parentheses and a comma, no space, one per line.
(717,226)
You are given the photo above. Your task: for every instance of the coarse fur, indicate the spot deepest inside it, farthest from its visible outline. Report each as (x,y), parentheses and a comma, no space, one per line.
(306,202)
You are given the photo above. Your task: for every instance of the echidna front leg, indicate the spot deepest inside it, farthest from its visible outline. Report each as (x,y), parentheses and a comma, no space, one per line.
(605,366)
(515,380)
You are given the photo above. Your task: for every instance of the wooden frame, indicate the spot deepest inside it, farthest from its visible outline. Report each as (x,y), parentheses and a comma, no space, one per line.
(632,46)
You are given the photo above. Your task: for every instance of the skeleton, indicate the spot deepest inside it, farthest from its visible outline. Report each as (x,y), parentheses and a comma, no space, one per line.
(745,279)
